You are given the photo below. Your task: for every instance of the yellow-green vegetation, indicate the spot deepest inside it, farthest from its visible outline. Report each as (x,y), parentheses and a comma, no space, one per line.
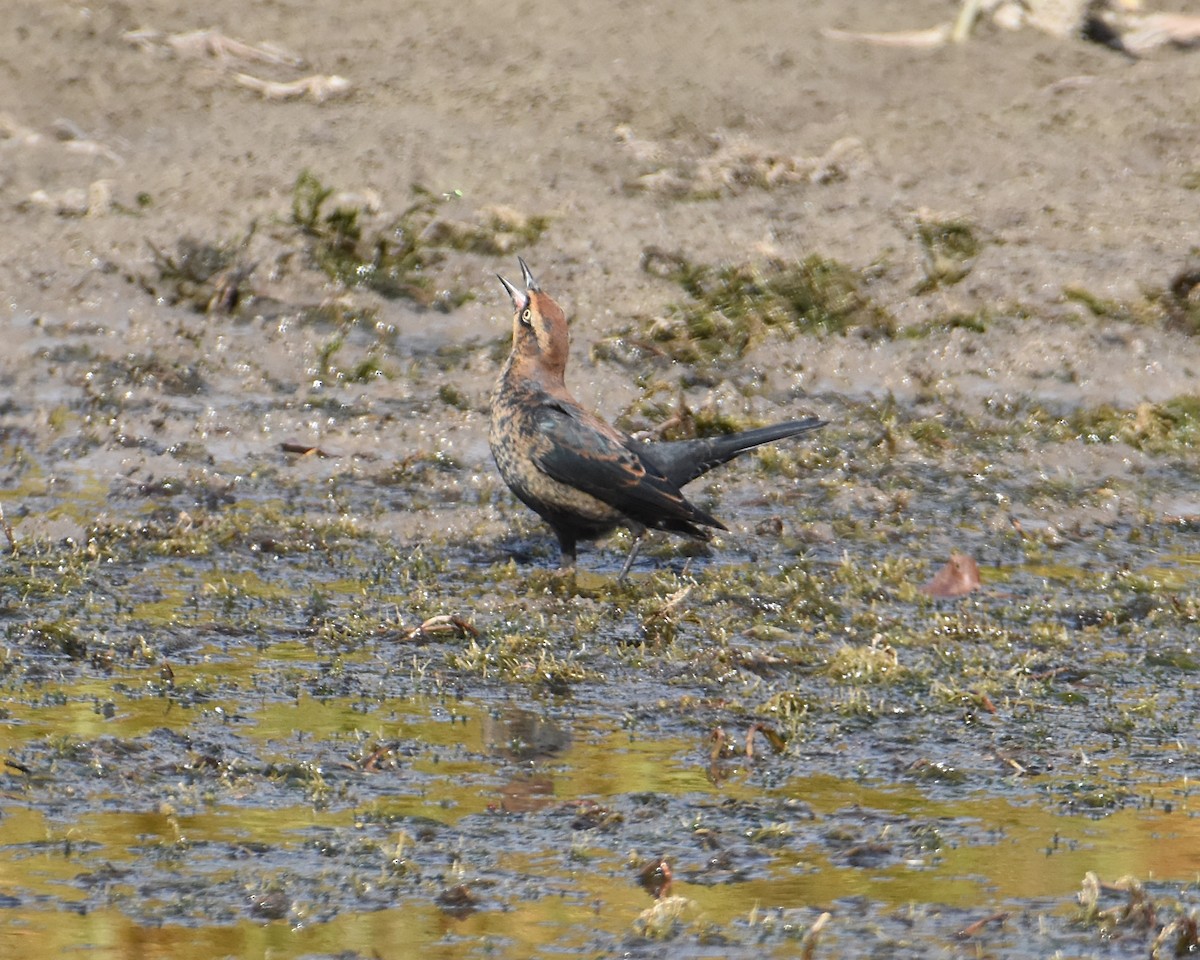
(732,308)
(349,678)
(1170,427)
(519,657)
(267,529)
(1140,311)
(363,370)
(1175,305)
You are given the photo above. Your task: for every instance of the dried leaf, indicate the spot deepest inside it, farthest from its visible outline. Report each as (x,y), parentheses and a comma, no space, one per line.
(656,877)
(305,450)
(778,744)
(957,578)
(974,929)
(719,741)
(443,623)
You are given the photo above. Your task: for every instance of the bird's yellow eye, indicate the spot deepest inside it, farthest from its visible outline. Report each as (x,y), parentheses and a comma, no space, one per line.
(527,316)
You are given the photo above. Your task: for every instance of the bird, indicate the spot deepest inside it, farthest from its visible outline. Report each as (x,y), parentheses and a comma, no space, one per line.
(580,474)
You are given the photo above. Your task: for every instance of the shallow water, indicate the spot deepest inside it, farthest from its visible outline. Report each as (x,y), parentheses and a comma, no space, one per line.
(334,700)
(223,731)
(146,825)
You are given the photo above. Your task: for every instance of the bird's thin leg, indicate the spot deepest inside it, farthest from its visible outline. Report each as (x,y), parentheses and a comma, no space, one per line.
(566,560)
(633,552)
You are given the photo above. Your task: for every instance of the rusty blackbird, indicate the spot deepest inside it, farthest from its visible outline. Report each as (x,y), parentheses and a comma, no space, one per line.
(583,476)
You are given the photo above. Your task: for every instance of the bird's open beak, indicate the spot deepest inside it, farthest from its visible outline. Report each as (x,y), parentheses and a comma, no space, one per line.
(520,299)
(530,283)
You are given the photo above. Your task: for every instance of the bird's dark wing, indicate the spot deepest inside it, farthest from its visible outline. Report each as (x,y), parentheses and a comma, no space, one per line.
(592,457)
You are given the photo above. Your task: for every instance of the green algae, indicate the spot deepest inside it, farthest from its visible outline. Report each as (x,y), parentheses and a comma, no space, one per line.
(348,695)
(732,308)
(304,688)
(396,259)
(949,248)
(1171,426)
(1174,305)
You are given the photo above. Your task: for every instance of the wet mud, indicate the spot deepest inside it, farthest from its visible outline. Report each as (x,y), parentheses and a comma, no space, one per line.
(287,670)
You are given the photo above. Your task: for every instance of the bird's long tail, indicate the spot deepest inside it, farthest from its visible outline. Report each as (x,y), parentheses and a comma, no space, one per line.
(684,460)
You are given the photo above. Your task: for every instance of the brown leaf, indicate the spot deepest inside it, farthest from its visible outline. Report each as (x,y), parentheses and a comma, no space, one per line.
(305,450)
(976,928)
(778,744)
(656,877)
(441,625)
(719,742)
(957,578)
(458,900)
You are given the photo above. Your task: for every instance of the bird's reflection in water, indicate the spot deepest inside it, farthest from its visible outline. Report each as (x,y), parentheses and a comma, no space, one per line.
(513,733)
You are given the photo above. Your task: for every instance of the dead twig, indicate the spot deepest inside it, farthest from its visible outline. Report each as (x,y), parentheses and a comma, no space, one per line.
(318,87)
(1019,769)
(211,43)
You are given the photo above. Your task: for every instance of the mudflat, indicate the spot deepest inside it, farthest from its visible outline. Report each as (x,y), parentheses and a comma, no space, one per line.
(266,590)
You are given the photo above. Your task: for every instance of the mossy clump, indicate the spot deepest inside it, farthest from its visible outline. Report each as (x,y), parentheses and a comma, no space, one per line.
(1172,426)
(498,231)
(661,415)
(732,308)
(1175,306)
(517,658)
(949,249)
(1147,311)
(58,636)
(210,278)
(390,262)
(106,386)
(394,258)
(864,665)
(973,322)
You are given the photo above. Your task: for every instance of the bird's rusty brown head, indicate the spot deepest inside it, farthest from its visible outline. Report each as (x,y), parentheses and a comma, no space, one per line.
(540,338)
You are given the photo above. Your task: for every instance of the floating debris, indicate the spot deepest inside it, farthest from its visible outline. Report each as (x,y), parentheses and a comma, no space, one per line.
(443,624)
(306,450)
(95,201)
(664,920)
